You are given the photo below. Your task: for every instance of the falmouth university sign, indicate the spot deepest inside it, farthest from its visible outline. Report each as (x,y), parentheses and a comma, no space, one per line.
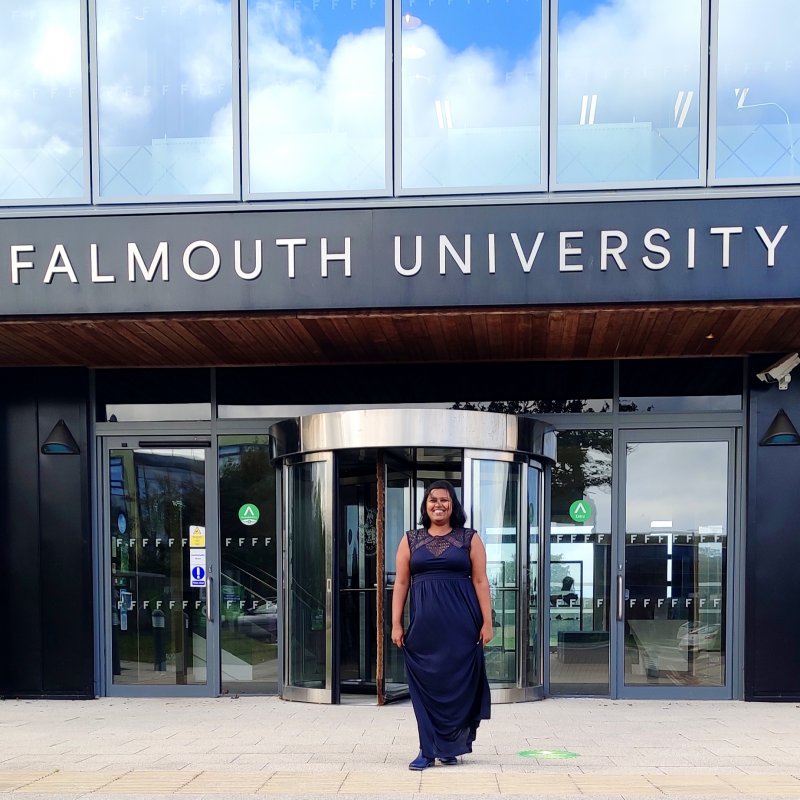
(513,255)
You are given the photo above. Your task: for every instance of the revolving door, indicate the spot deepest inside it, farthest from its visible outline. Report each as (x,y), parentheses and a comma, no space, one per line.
(352,483)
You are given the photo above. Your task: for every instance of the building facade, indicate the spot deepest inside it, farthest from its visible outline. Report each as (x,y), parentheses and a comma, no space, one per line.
(270,268)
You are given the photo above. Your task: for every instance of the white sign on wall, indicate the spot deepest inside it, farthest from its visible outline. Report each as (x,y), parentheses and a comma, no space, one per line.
(197,568)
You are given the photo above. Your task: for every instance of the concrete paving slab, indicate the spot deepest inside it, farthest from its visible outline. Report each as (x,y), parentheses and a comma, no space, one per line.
(310,783)
(221,783)
(631,750)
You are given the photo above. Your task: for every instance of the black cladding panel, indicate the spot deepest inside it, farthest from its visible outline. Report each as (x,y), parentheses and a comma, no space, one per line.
(45,550)
(772,644)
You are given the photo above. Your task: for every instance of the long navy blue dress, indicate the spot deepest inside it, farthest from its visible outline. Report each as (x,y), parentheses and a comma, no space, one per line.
(444,658)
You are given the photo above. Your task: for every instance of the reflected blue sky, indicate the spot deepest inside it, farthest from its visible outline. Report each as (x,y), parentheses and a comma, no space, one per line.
(313,27)
(317,93)
(572,11)
(639,58)
(581,7)
(508,28)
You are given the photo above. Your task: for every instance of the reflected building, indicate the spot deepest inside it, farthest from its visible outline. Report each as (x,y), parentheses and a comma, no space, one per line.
(278,266)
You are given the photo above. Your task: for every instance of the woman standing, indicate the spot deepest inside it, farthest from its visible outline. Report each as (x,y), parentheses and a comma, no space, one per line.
(444,564)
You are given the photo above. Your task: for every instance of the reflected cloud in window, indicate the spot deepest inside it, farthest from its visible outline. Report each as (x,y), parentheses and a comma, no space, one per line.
(317,96)
(628,91)
(471,80)
(165,101)
(41,127)
(758,107)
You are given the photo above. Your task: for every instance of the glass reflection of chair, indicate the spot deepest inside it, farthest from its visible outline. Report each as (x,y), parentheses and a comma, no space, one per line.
(566,599)
(567,595)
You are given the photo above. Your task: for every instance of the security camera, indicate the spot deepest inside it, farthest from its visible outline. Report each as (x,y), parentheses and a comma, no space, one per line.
(780,371)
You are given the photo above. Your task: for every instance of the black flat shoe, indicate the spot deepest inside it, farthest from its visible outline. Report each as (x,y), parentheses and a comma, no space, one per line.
(421,762)
(449,762)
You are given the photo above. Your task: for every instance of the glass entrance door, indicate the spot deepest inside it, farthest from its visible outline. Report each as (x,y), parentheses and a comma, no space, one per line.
(339,632)
(378,491)
(503,506)
(673,584)
(352,484)
(399,516)
(160,569)
(357,543)
(578,589)
(377,497)
(308,522)
(249,574)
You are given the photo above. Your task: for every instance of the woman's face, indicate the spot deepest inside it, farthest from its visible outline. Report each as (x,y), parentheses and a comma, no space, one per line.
(439,506)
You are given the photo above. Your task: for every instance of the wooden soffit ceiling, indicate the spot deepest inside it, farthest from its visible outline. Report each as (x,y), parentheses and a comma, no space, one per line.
(426,335)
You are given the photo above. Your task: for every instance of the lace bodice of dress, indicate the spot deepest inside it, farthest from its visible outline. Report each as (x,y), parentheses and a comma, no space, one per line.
(458,537)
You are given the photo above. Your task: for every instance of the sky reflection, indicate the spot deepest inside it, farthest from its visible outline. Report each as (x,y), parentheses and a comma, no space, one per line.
(318,83)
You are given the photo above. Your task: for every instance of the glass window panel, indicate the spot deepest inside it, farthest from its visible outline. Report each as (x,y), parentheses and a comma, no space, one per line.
(471,83)
(249,571)
(681,385)
(317,96)
(576,405)
(628,91)
(534,677)
(134,395)
(165,102)
(758,106)
(676,563)
(399,511)
(495,515)
(531,387)
(357,502)
(158,620)
(580,563)
(548,388)
(306,575)
(41,128)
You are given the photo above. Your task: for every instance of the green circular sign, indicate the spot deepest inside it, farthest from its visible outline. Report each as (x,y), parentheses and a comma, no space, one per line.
(580,510)
(547,754)
(249,514)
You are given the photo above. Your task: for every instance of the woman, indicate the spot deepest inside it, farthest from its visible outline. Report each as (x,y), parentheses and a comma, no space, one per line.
(451,620)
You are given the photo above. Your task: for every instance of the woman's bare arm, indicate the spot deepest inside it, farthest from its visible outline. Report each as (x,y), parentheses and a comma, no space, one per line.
(402,581)
(477,555)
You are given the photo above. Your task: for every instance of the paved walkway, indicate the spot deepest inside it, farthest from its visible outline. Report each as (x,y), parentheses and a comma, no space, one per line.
(265,747)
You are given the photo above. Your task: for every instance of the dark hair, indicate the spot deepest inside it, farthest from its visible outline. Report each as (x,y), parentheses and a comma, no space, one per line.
(457,515)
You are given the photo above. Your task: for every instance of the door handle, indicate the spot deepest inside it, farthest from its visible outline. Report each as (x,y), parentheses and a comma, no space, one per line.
(209,598)
(620,600)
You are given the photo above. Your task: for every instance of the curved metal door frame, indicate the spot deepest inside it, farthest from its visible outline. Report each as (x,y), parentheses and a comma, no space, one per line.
(417,427)
(478,435)
(521,691)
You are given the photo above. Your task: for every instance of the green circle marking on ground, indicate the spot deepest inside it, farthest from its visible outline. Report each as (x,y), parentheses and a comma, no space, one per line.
(547,754)
(580,510)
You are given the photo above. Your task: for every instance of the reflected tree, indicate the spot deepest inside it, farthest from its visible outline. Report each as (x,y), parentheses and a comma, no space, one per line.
(584,457)
(519,407)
